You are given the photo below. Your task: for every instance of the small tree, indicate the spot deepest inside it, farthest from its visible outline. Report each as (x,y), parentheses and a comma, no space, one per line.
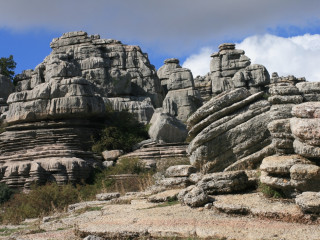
(7,66)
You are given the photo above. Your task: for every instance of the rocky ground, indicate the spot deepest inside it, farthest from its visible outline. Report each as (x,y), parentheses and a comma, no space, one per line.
(233,216)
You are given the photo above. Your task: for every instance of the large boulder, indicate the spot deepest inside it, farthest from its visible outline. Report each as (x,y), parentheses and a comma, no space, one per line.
(309,202)
(166,128)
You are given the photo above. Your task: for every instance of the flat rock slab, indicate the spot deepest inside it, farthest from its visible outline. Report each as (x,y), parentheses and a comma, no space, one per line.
(258,205)
(119,221)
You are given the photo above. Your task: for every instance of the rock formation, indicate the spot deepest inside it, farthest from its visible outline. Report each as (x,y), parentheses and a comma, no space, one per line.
(230,132)
(54,109)
(230,68)
(181,98)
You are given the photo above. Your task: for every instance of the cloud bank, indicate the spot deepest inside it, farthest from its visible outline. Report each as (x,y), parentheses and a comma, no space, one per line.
(177,27)
(299,56)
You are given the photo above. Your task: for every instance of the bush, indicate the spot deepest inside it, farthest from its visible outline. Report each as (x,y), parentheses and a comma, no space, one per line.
(5,193)
(44,200)
(122,131)
(270,192)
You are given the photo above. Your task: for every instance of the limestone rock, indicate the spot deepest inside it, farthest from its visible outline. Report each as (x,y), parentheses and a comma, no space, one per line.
(224,182)
(107,196)
(180,171)
(203,85)
(164,196)
(141,107)
(230,68)
(154,155)
(182,99)
(310,91)
(108,164)
(307,110)
(165,71)
(112,155)
(290,174)
(167,129)
(197,197)
(309,202)
(229,128)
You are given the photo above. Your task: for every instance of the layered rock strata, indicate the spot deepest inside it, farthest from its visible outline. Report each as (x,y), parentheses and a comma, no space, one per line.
(6,88)
(283,96)
(153,154)
(56,107)
(305,127)
(230,132)
(230,68)
(291,174)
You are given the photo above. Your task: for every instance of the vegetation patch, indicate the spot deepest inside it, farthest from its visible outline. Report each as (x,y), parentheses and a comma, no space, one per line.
(50,198)
(122,131)
(270,192)
(5,193)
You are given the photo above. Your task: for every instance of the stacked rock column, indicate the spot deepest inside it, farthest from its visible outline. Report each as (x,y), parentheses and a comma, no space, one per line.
(283,98)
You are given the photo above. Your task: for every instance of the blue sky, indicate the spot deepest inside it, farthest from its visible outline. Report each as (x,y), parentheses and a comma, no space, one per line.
(187,29)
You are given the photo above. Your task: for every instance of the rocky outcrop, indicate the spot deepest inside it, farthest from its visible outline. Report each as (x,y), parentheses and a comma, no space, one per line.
(164,72)
(56,107)
(283,96)
(230,68)
(310,91)
(203,85)
(290,174)
(181,98)
(230,132)
(305,128)
(153,154)
(309,202)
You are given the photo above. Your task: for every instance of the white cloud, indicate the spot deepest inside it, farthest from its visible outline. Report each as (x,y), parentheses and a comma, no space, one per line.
(299,56)
(199,63)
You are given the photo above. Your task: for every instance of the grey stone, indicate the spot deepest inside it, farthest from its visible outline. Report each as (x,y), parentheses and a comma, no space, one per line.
(309,202)
(283,89)
(307,110)
(278,99)
(224,182)
(167,128)
(112,155)
(196,197)
(180,171)
(92,237)
(309,87)
(107,196)
(306,150)
(107,164)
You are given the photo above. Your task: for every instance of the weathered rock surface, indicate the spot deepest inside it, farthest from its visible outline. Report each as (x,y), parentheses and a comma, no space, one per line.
(81,75)
(230,68)
(230,132)
(180,171)
(153,154)
(309,202)
(204,86)
(284,96)
(112,155)
(165,71)
(195,197)
(290,174)
(305,129)
(107,196)
(310,91)
(166,128)
(46,151)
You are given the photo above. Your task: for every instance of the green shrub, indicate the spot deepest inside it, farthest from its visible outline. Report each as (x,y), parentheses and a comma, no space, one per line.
(270,192)
(122,131)
(5,193)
